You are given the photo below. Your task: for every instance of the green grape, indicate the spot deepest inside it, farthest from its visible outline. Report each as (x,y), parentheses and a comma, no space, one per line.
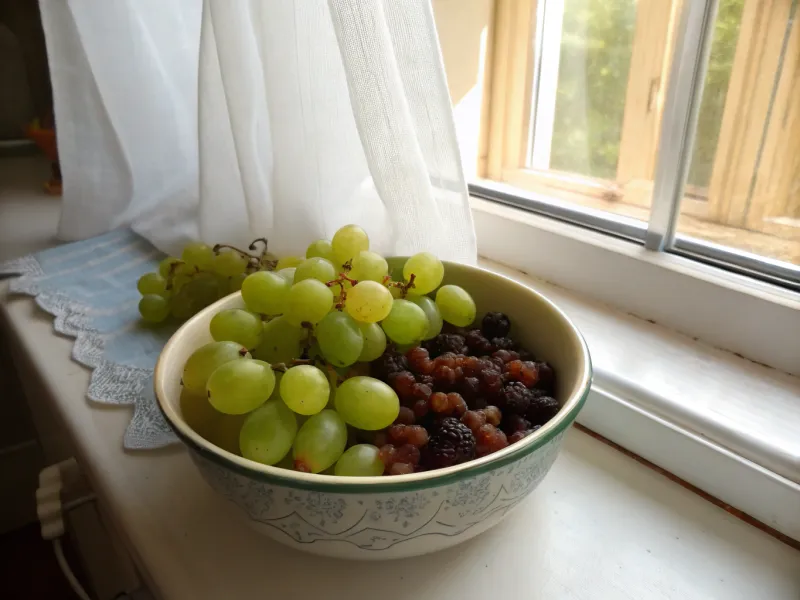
(348,242)
(265,292)
(197,293)
(239,386)
(307,302)
(305,389)
(229,263)
(154,308)
(315,268)
(374,341)
(198,412)
(281,342)
(428,272)
(340,339)
(268,433)
(320,442)
(221,430)
(361,460)
(406,323)
(287,274)
(235,282)
(181,275)
(435,321)
(165,268)
(225,432)
(288,262)
(151,283)
(205,360)
(456,305)
(237,325)
(367,403)
(368,302)
(198,255)
(182,306)
(369,266)
(321,249)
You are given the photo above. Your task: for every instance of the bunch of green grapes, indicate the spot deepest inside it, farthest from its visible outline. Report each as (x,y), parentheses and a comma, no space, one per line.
(286,366)
(202,275)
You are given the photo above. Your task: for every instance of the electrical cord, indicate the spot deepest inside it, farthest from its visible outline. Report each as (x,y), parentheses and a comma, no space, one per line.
(62,562)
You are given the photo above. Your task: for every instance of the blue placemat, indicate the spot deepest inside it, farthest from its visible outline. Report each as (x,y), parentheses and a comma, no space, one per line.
(90,289)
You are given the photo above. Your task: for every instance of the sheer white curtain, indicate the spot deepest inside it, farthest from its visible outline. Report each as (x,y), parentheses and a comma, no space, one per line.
(227,120)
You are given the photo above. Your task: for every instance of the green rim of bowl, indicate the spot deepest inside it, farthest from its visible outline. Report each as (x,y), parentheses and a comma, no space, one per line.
(399,483)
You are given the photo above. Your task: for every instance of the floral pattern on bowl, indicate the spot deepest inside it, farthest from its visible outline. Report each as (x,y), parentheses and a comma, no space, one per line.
(382,525)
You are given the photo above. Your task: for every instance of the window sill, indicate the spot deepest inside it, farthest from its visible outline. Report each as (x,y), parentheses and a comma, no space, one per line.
(689,408)
(740,314)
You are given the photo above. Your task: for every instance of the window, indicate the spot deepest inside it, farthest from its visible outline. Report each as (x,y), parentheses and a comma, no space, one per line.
(672,123)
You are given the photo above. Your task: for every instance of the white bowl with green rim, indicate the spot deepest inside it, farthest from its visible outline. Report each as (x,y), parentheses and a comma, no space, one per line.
(406,515)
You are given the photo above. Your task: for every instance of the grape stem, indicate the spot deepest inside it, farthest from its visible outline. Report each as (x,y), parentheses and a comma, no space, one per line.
(340,281)
(403,286)
(310,339)
(254,261)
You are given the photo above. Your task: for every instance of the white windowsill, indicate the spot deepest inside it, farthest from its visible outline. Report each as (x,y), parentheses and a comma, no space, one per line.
(719,421)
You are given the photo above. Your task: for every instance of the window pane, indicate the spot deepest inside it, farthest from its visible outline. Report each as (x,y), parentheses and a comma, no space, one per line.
(595,57)
(598,81)
(744,179)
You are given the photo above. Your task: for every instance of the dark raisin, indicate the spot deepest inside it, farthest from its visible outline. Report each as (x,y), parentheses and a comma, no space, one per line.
(503,343)
(489,439)
(493,415)
(405,416)
(495,324)
(514,423)
(474,419)
(389,362)
(445,342)
(419,360)
(542,409)
(546,376)
(516,398)
(477,343)
(491,384)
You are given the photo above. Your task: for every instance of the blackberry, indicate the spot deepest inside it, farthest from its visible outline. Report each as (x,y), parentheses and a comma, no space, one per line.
(470,389)
(450,444)
(495,325)
(425,380)
(542,409)
(516,398)
(546,376)
(445,342)
(503,343)
(388,363)
(515,423)
(476,342)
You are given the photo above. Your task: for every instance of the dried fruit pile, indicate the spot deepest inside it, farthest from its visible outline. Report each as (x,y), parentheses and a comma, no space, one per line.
(463,396)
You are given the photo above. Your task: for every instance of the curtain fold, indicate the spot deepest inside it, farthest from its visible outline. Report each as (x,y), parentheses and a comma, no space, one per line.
(227,120)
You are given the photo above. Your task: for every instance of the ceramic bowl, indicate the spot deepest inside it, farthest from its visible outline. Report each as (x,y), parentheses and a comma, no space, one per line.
(400,516)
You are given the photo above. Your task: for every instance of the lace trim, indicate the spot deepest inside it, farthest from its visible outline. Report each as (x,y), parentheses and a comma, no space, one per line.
(110,383)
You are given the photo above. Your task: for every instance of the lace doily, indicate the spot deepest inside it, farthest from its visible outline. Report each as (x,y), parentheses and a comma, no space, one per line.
(90,289)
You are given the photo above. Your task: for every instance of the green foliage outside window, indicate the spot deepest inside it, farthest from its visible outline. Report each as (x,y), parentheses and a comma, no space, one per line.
(596,46)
